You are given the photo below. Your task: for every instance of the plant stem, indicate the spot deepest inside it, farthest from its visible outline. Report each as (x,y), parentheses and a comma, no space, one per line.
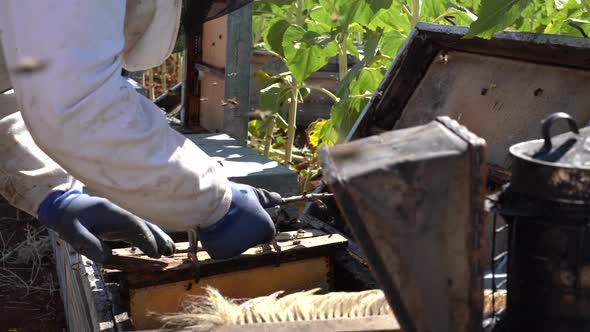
(275,54)
(268,137)
(325,91)
(281,153)
(342,57)
(300,19)
(152,89)
(416,7)
(163,82)
(292,124)
(259,31)
(179,68)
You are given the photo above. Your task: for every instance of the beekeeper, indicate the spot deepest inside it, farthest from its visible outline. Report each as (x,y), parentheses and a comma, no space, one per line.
(71,118)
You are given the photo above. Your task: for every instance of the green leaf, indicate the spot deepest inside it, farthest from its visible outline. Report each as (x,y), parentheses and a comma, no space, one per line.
(275,35)
(559,4)
(372,39)
(313,133)
(393,18)
(367,81)
(345,113)
(273,97)
(358,11)
(351,48)
(377,5)
(432,9)
(392,42)
(323,15)
(304,54)
(328,134)
(263,77)
(257,128)
(321,133)
(496,15)
(582,27)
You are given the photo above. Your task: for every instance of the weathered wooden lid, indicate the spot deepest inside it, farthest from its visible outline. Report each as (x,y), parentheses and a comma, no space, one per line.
(500,89)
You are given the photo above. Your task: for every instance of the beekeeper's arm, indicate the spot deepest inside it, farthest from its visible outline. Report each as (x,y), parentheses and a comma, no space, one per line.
(28,178)
(88,119)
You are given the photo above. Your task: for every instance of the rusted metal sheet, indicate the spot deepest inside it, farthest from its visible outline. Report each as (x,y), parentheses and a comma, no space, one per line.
(414,200)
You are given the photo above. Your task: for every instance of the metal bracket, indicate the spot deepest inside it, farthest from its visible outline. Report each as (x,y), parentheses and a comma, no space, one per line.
(275,244)
(193,241)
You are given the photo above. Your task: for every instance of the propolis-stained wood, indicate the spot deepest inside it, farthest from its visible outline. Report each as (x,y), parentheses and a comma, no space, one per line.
(291,277)
(161,285)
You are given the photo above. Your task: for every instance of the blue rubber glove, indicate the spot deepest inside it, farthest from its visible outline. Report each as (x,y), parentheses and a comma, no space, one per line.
(245,225)
(85,222)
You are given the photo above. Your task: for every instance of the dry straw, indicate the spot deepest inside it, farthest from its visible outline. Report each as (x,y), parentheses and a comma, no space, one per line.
(214,309)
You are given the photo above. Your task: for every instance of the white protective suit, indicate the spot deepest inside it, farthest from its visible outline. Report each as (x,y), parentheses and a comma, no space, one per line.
(82,115)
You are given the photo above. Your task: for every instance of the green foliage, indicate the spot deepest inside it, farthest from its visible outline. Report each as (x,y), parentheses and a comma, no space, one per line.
(306,34)
(496,15)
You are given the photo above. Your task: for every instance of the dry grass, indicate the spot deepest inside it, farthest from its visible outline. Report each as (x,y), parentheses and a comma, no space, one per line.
(22,262)
(494,301)
(215,309)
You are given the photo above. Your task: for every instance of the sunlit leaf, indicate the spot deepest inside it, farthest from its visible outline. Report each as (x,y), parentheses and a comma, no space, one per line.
(273,97)
(496,15)
(432,9)
(313,133)
(304,57)
(392,42)
(372,39)
(263,77)
(275,35)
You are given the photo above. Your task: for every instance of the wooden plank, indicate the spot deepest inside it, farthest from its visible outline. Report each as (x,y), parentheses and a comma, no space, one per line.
(182,247)
(191,87)
(211,103)
(427,40)
(237,69)
(483,94)
(290,277)
(141,271)
(4,77)
(214,42)
(563,51)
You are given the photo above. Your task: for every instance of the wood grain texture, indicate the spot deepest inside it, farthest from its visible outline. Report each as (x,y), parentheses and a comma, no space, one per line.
(427,41)
(290,277)
(139,271)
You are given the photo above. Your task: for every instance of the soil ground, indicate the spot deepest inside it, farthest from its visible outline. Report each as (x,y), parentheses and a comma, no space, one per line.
(29,291)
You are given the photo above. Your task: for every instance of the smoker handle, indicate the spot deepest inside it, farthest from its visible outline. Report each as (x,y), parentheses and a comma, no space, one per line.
(549,121)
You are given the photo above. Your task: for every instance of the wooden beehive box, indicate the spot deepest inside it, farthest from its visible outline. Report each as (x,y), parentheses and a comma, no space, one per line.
(122,294)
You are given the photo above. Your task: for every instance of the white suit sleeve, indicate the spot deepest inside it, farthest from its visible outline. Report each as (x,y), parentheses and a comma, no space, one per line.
(27,175)
(84,115)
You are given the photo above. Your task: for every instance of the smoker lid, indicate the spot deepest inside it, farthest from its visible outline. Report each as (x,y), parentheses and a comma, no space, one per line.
(568,150)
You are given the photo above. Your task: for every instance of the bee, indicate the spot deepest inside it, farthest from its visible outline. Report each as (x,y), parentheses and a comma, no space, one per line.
(29,65)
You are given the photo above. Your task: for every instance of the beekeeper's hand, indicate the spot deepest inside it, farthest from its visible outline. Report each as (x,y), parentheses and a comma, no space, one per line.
(245,225)
(85,222)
